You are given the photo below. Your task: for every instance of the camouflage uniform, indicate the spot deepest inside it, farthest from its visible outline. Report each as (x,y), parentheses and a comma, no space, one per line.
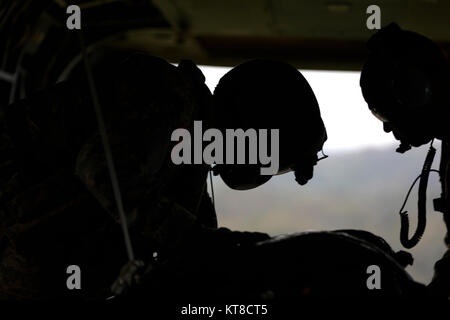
(56,201)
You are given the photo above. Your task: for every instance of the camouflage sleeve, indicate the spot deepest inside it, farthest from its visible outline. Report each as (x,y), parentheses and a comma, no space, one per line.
(161,200)
(140,122)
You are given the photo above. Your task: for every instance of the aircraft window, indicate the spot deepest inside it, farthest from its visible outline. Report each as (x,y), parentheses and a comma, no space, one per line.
(361,185)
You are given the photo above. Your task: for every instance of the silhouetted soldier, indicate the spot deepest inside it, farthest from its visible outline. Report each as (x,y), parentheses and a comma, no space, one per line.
(56,201)
(224,266)
(406,83)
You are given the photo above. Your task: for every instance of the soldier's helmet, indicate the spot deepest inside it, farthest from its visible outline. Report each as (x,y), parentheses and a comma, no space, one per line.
(405,82)
(266,94)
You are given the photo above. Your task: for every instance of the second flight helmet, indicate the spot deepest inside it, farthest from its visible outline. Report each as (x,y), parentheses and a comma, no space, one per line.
(266,94)
(405,82)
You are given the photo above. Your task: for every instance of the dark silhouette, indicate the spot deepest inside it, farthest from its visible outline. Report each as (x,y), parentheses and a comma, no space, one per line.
(58,199)
(405,82)
(270,94)
(221,265)
(57,205)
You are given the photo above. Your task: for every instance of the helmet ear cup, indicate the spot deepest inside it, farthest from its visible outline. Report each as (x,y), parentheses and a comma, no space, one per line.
(411,87)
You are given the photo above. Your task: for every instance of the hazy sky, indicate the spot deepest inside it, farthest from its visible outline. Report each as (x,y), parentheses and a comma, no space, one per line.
(349,123)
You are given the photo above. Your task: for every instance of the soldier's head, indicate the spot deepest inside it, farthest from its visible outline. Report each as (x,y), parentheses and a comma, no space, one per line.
(265,94)
(405,82)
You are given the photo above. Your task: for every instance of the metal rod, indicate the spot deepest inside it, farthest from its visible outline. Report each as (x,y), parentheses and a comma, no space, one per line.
(107,148)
